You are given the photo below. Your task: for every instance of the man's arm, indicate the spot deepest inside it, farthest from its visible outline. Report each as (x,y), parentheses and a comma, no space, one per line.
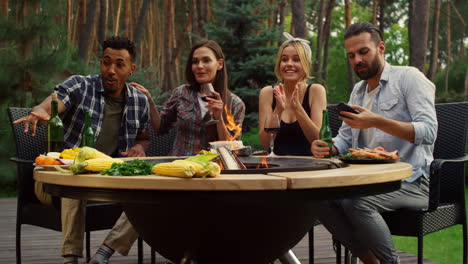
(142,143)
(366,119)
(39,114)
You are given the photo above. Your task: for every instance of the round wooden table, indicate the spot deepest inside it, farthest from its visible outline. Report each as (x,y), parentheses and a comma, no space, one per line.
(245,218)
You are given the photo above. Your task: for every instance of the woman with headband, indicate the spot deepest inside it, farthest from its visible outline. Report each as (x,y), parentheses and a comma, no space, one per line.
(298,105)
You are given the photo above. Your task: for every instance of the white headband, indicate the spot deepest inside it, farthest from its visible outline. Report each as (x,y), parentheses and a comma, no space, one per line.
(303,42)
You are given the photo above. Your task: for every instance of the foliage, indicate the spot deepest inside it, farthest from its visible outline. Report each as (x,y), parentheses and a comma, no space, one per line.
(240,27)
(396,45)
(34,55)
(47,61)
(456,82)
(250,138)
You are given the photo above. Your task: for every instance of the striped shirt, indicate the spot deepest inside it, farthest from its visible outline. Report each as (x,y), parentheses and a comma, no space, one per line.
(82,94)
(183,110)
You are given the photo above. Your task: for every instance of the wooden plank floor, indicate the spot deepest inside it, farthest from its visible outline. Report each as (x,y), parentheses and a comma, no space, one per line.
(42,246)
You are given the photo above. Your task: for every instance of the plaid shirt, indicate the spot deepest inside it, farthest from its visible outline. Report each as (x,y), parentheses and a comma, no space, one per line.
(183,110)
(82,94)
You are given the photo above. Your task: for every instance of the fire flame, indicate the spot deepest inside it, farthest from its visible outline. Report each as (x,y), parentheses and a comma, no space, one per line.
(231,125)
(220,163)
(263,163)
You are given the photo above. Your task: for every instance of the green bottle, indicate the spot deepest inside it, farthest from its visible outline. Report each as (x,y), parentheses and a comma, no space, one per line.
(87,137)
(54,128)
(326,133)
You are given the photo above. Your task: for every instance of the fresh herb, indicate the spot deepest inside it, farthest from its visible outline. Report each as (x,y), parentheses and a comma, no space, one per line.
(130,168)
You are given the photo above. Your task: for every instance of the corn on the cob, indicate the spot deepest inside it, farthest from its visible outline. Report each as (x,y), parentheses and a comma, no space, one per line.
(100,164)
(96,165)
(215,169)
(87,153)
(201,170)
(177,169)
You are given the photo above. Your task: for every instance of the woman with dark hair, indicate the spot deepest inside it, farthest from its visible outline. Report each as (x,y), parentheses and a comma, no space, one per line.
(192,106)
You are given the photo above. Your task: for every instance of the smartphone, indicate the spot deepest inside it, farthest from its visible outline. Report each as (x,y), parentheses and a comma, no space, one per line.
(344,107)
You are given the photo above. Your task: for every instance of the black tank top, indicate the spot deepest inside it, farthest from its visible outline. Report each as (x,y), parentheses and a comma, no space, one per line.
(290,139)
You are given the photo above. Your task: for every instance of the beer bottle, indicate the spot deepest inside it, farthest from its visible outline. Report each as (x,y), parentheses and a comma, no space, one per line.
(87,137)
(54,128)
(325,132)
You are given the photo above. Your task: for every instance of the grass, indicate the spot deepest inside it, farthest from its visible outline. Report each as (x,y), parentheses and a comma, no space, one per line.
(444,246)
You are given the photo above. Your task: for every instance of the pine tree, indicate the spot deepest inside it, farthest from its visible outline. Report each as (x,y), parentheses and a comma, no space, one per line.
(34,51)
(241,29)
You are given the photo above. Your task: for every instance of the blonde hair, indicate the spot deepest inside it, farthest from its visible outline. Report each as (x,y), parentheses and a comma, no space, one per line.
(305,59)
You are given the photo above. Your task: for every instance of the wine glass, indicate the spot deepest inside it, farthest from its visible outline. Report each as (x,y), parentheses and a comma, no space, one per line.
(207,89)
(272,127)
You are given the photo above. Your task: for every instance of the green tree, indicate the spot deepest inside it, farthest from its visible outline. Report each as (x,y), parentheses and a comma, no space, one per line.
(240,28)
(34,56)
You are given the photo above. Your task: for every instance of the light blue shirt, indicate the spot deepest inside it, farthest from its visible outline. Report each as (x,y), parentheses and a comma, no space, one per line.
(405,95)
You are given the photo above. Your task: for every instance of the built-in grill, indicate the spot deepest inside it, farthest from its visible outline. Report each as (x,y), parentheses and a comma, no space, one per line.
(232,164)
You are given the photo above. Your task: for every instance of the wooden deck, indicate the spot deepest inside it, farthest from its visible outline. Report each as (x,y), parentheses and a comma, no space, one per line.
(42,246)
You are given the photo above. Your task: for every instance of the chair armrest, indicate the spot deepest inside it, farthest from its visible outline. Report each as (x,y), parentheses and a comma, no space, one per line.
(434,183)
(22,161)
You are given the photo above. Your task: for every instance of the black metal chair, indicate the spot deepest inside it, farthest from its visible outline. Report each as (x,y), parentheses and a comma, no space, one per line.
(161,144)
(446,206)
(447,183)
(99,216)
(335,124)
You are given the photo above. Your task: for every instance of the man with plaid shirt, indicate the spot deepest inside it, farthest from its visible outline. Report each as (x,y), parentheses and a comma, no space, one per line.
(120,115)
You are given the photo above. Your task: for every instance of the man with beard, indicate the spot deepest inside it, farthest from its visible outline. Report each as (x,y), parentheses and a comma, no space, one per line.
(120,115)
(396,111)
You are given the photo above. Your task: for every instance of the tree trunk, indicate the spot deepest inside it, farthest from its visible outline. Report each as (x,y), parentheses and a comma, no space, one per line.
(141,20)
(26,9)
(318,54)
(4,8)
(90,30)
(351,80)
(117,18)
(449,49)
(168,77)
(298,19)
(435,42)
(82,16)
(204,16)
(281,14)
(3,13)
(419,21)
(195,22)
(462,21)
(150,38)
(375,4)
(127,15)
(326,32)
(382,16)
(103,18)
(69,21)
(182,38)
